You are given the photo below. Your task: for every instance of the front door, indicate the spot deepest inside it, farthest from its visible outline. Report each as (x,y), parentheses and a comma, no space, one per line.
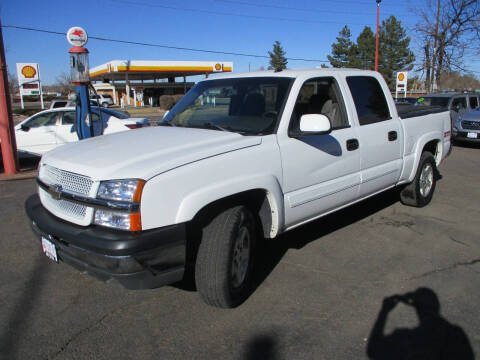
(321,172)
(37,135)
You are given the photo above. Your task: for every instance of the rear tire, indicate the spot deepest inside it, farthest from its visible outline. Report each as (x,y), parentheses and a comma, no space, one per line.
(105,105)
(420,191)
(223,269)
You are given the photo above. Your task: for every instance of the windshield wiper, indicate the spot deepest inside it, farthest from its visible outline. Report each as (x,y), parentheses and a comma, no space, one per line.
(209,125)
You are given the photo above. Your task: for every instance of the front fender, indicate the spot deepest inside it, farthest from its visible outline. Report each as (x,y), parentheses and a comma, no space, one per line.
(197,200)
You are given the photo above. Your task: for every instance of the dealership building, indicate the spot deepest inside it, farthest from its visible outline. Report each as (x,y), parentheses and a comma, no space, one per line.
(141,82)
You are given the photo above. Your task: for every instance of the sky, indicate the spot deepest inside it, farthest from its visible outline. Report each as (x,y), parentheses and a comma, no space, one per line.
(305,28)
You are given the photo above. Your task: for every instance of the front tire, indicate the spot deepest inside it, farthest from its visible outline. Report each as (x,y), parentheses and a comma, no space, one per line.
(223,269)
(420,191)
(105,105)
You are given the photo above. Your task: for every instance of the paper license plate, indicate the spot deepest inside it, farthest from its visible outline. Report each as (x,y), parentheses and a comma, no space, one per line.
(49,249)
(472,135)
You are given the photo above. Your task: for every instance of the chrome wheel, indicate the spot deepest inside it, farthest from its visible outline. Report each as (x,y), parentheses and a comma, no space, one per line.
(426,180)
(241,257)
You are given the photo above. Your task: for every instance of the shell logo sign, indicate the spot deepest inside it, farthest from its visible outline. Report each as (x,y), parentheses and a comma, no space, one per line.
(218,67)
(401,77)
(29,72)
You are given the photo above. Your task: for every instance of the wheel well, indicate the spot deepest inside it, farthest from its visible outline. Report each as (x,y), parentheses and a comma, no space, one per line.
(256,200)
(432,147)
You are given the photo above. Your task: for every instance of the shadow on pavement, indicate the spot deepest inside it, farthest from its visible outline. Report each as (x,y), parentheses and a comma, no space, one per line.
(272,251)
(262,347)
(24,163)
(433,338)
(17,323)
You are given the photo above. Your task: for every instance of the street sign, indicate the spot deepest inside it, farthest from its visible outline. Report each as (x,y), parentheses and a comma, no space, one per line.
(402,79)
(77,36)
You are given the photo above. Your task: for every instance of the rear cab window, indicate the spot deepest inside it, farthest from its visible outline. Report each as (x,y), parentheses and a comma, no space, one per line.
(369,99)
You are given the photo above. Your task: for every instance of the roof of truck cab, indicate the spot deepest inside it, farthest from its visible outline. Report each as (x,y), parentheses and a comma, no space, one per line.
(293,73)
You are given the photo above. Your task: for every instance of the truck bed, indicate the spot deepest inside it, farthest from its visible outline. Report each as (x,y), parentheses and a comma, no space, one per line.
(406,111)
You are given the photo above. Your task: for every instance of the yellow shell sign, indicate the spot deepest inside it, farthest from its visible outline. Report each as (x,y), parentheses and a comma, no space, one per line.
(401,77)
(29,72)
(218,67)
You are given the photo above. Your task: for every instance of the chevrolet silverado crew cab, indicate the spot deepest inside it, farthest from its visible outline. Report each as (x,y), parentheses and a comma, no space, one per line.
(239,159)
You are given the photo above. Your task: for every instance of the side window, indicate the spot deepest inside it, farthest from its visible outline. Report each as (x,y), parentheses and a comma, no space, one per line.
(473,102)
(320,96)
(59,104)
(48,119)
(459,104)
(369,99)
(68,118)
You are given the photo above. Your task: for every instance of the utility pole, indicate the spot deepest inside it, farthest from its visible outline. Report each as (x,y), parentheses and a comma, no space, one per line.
(378,30)
(7,134)
(435,50)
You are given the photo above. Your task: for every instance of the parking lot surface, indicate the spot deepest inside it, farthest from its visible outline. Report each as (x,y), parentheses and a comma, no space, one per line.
(319,294)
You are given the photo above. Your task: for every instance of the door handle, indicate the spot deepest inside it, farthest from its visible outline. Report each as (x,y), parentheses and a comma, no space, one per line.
(352,144)
(392,136)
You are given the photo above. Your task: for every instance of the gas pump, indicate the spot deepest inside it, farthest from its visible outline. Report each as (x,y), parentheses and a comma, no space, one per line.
(84,124)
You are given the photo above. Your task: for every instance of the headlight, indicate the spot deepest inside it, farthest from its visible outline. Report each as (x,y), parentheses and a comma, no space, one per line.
(121,190)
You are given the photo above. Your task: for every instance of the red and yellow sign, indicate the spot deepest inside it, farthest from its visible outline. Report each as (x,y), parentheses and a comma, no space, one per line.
(218,67)
(401,77)
(29,72)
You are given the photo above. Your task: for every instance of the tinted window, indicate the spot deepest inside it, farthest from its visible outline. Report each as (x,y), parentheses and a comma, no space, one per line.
(47,119)
(58,104)
(68,118)
(250,106)
(459,104)
(473,102)
(369,99)
(320,96)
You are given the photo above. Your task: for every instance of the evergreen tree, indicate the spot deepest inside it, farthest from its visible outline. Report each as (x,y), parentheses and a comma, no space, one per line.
(365,58)
(395,54)
(343,51)
(278,61)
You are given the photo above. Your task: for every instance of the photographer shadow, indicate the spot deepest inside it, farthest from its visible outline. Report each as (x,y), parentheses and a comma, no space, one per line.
(433,338)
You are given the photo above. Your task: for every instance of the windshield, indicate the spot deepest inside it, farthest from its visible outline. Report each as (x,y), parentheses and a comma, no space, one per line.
(249,106)
(436,101)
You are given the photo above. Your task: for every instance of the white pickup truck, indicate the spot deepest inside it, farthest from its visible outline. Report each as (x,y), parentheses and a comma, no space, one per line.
(239,159)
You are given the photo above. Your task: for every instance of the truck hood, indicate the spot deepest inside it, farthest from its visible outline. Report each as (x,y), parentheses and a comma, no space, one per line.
(144,153)
(473,115)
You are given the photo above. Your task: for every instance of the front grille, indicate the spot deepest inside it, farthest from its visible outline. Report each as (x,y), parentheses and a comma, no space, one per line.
(69,182)
(471,125)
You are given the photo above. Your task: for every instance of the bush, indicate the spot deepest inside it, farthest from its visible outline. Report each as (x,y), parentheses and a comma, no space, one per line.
(168,101)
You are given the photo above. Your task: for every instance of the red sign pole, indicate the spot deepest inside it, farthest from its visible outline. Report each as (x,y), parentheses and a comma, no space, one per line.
(377,41)
(7,134)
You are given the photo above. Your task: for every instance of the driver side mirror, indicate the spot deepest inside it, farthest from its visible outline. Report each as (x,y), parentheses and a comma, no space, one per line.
(24,127)
(315,124)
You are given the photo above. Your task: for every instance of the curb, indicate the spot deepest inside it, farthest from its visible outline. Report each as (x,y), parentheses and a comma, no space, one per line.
(22,175)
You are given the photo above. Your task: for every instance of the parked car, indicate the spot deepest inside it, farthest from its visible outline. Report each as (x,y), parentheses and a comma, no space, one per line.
(467,127)
(457,103)
(48,129)
(240,158)
(104,100)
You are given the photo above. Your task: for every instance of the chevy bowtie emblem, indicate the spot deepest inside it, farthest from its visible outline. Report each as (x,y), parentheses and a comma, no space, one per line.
(56,191)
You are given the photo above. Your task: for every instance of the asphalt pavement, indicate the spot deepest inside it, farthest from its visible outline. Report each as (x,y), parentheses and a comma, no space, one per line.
(319,294)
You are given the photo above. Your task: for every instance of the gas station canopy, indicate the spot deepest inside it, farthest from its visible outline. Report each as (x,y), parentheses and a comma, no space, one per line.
(120,70)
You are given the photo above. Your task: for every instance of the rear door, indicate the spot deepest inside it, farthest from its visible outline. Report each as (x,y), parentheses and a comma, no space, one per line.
(380,135)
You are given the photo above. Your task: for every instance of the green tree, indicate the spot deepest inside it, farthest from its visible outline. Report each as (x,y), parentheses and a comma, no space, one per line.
(395,53)
(365,57)
(343,51)
(278,61)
